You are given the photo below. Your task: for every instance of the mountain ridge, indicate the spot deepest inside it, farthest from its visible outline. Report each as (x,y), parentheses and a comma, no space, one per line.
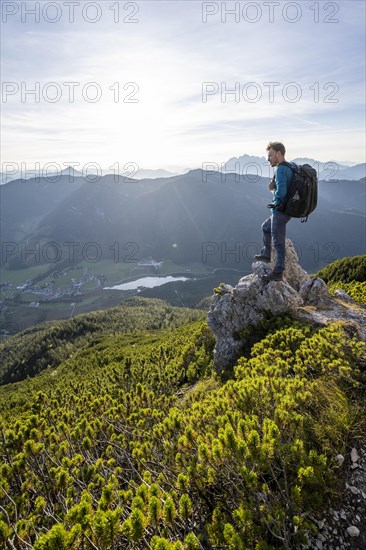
(249,164)
(183,210)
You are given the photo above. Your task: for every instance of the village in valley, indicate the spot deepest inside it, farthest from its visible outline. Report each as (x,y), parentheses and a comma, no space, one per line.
(43,293)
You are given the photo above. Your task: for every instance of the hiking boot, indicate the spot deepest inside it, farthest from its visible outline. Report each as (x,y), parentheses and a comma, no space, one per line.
(273,276)
(261,258)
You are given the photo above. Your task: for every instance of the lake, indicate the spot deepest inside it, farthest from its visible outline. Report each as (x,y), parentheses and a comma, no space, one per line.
(147,282)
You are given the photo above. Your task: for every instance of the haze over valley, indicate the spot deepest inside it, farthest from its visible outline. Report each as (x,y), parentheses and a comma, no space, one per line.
(67,242)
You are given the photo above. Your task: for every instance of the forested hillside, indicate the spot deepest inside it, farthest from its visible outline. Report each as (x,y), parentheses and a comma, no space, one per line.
(348,274)
(35,349)
(127,439)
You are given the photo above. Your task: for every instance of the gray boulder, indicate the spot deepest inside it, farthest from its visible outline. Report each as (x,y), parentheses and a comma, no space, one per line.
(253,299)
(315,292)
(233,309)
(342,295)
(294,274)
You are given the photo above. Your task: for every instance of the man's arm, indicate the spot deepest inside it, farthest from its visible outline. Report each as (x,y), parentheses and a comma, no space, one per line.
(282,180)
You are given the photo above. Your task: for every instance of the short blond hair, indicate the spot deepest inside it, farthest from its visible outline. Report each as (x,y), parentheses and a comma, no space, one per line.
(276,146)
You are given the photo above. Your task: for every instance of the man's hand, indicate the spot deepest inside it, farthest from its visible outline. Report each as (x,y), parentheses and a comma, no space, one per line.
(280,207)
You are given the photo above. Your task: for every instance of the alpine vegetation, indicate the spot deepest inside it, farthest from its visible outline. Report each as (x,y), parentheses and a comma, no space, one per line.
(129,436)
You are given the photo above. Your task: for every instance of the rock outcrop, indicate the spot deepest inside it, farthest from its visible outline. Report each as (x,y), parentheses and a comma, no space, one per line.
(233,309)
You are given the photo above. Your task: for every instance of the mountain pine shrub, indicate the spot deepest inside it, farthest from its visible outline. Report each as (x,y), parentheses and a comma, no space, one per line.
(133,442)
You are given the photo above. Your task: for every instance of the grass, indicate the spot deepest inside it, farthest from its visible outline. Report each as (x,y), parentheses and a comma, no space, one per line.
(19,276)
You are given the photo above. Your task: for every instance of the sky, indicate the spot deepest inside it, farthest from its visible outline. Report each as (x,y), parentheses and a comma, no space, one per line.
(176,84)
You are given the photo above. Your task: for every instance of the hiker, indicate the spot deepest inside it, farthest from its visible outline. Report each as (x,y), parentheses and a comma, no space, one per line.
(275,226)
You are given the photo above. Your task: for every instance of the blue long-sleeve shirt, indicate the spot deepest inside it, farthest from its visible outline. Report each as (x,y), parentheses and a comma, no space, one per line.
(282,180)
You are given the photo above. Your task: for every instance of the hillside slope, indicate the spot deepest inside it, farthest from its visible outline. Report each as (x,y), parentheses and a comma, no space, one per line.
(346,270)
(348,275)
(132,441)
(46,346)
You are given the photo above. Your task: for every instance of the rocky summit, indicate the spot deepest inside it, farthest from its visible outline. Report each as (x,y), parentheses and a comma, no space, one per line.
(253,299)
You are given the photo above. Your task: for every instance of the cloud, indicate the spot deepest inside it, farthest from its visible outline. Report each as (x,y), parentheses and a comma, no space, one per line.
(163,60)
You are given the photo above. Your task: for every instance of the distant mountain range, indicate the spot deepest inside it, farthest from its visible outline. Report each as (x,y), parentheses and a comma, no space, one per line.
(331,170)
(244,165)
(139,173)
(200,216)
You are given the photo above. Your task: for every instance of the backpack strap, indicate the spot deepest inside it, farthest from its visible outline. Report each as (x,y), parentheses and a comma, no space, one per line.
(285,163)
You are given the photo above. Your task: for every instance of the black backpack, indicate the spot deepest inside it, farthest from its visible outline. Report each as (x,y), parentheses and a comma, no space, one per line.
(302,195)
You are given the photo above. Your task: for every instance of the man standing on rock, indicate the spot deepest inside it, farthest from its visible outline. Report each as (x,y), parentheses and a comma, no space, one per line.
(275,226)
